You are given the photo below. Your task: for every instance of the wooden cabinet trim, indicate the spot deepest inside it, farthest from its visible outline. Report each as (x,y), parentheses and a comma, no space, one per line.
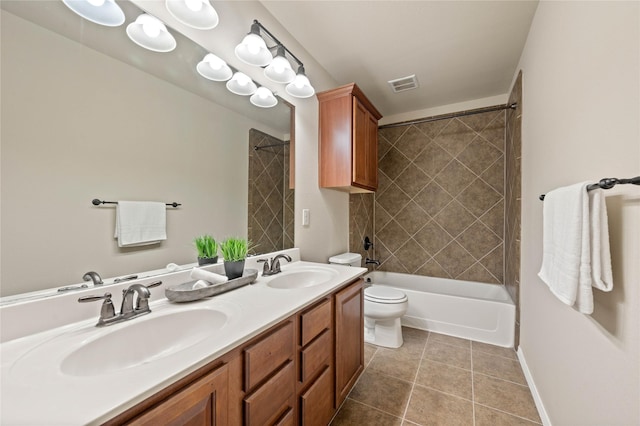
(349,340)
(263,357)
(272,399)
(205,401)
(314,321)
(315,356)
(316,403)
(352,89)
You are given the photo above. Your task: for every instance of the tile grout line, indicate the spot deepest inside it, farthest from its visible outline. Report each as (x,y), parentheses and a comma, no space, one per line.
(508,413)
(415,378)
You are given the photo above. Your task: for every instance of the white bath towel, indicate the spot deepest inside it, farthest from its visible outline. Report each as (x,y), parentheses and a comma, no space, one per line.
(575,245)
(140,223)
(211,277)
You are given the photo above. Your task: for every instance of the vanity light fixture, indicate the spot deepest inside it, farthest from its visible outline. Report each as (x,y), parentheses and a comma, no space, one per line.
(279,70)
(263,98)
(103,12)
(214,68)
(198,14)
(300,87)
(151,33)
(254,51)
(241,84)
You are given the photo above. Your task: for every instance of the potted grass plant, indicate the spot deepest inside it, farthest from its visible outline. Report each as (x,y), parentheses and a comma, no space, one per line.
(207,248)
(234,252)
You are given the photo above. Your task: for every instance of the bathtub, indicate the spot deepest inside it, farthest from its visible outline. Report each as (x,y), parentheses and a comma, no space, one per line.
(471,310)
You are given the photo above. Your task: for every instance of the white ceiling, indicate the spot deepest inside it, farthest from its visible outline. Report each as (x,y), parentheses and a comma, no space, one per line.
(458,50)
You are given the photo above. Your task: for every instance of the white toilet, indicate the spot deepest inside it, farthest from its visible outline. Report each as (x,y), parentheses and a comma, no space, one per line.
(383,307)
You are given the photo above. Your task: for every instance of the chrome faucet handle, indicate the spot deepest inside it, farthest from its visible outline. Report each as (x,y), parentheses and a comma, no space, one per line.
(154,284)
(94,277)
(266,271)
(107,311)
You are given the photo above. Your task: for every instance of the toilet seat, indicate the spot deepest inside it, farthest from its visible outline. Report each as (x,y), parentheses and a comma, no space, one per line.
(381,294)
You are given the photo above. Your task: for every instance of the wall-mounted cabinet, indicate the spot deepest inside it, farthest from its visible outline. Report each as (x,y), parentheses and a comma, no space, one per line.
(348,145)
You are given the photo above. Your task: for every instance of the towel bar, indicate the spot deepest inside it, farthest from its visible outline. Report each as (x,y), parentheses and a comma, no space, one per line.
(97,202)
(608,183)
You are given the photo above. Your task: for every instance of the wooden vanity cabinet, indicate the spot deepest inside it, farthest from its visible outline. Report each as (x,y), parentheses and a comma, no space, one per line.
(348,140)
(298,372)
(349,338)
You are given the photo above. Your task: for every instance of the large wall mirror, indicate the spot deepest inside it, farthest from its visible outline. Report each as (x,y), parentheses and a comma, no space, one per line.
(88,114)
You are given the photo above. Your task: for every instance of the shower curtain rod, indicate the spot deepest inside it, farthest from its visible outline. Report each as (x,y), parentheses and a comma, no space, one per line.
(452,115)
(258,148)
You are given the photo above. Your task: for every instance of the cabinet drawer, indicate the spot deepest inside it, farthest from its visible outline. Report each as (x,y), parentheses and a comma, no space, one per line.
(315,356)
(272,399)
(265,356)
(314,321)
(316,404)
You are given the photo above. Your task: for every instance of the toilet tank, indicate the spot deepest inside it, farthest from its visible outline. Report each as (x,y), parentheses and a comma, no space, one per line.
(349,259)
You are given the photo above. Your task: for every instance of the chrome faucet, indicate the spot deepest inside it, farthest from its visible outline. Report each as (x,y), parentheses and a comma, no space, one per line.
(275,265)
(142,305)
(93,276)
(108,314)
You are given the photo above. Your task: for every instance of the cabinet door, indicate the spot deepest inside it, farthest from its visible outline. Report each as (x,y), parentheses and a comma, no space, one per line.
(349,332)
(203,402)
(365,147)
(316,405)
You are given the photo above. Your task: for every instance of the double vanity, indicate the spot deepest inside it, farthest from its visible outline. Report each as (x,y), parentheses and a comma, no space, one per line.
(285,349)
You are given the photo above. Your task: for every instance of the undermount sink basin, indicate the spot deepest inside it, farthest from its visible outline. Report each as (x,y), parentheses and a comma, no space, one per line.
(143,340)
(302,277)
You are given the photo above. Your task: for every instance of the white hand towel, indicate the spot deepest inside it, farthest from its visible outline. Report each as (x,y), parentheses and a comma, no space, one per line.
(140,223)
(212,277)
(600,250)
(572,236)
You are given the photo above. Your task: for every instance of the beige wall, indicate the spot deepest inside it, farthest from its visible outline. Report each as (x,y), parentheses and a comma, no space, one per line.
(580,122)
(60,151)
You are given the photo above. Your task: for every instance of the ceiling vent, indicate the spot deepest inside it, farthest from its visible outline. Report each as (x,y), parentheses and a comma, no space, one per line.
(405,83)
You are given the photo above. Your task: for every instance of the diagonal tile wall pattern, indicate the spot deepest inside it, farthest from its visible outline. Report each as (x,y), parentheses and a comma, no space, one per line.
(271,202)
(439,208)
(361,225)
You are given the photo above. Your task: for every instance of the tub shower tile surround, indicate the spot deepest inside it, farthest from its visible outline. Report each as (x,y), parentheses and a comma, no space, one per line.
(439,209)
(513,152)
(271,202)
(361,225)
(440,392)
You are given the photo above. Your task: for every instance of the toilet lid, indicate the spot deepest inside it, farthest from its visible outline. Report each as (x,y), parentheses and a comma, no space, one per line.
(382,294)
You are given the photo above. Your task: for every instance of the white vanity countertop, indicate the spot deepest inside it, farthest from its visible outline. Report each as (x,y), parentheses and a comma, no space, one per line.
(35,390)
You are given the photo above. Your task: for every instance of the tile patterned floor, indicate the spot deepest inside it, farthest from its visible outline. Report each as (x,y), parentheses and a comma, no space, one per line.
(435,379)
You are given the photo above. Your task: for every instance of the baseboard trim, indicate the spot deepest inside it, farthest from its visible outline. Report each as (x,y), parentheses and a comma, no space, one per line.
(534,391)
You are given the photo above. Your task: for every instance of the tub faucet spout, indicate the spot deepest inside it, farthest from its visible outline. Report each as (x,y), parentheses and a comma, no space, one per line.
(368,261)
